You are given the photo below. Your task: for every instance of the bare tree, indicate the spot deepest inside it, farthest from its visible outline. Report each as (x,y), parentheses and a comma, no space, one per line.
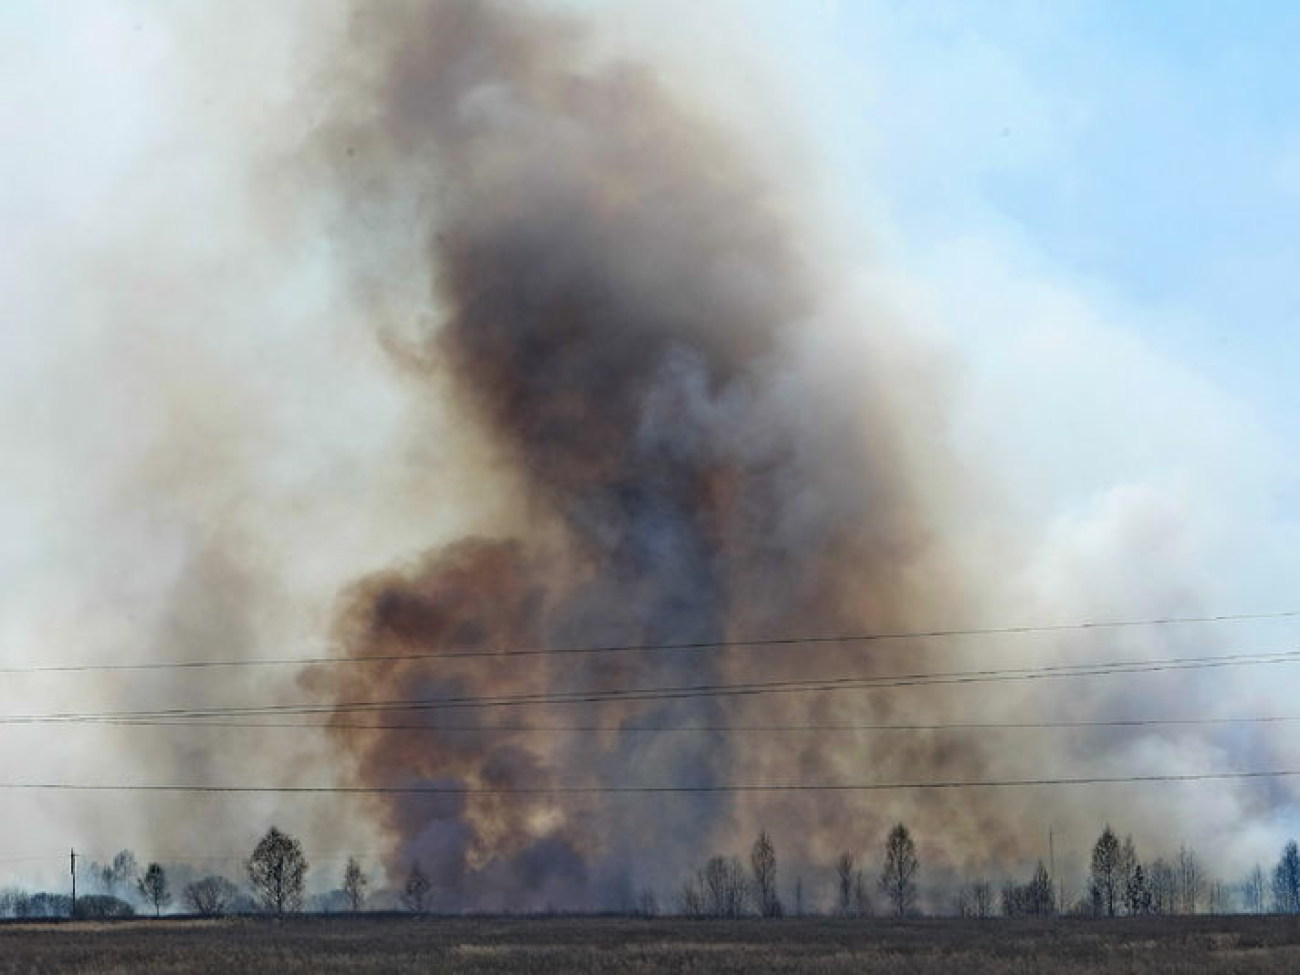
(1036,898)
(974,900)
(962,905)
(861,896)
(277,870)
(416,893)
(844,875)
(1286,880)
(1191,880)
(355,883)
(1137,892)
(1216,897)
(101,907)
(121,876)
(1042,896)
(210,895)
(1164,887)
(153,888)
(898,876)
(692,898)
(1252,891)
(723,883)
(1125,864)
(762,861)
(1104,875)
(13,902)
(798,897)
(1012,899)
(647,904)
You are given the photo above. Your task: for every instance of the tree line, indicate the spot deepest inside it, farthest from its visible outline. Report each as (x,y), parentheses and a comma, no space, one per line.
(1118,882)
(276,873)
(724,888)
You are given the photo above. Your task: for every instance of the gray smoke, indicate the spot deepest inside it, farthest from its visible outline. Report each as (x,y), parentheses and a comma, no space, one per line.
(627,322)
(519,344)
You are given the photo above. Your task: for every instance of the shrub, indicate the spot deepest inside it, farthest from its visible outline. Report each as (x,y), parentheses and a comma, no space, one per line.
(101,907)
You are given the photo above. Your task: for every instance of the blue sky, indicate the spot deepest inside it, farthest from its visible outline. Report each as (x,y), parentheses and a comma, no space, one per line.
(1152,149)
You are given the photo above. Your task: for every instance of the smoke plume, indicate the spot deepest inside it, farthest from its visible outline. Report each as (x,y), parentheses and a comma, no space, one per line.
(629,325)
(484,335)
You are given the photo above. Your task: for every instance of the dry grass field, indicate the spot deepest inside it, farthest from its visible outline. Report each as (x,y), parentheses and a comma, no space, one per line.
(606,945)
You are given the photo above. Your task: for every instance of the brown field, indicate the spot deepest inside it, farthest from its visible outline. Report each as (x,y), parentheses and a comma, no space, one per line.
(537,945)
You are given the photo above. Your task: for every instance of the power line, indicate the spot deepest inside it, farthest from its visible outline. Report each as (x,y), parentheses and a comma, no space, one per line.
(736,728)
(34,857)
(691,691)
(461,654)
(94,857)
(231,857)
(645,789)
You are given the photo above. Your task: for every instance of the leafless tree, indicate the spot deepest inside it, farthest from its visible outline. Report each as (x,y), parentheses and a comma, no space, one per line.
(15,902)
(1286,881)
(121,876)
(415,895)
(43,905)
(844,874)
(647,904)
(982,899)
(961,901)
(692,898)
(1137,892)
(1216,897)
(898,876)
(723,883)
(101,907)
(1126,862)
(355,883)
(210,895)
(153,888)
(798,897)
(1104,875)
(762,861)
(1012,899)
(277,870)
(1163,882)
(1252,891)
(1191,880)
(861,895)
(1042,897)
(1033,899)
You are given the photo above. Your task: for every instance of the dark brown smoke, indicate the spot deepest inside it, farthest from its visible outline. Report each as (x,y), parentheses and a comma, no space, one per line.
(629,323)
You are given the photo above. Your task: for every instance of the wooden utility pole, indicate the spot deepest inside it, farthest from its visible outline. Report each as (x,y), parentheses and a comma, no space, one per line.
(1051,860)
(72,855)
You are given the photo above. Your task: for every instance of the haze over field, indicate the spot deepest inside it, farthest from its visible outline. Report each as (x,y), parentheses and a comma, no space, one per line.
(422,328)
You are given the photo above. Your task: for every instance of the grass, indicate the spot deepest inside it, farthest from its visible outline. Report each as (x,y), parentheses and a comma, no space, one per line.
(599,945)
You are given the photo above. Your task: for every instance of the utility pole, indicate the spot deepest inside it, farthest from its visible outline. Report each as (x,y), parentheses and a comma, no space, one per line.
(1051,860)
(72,855)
